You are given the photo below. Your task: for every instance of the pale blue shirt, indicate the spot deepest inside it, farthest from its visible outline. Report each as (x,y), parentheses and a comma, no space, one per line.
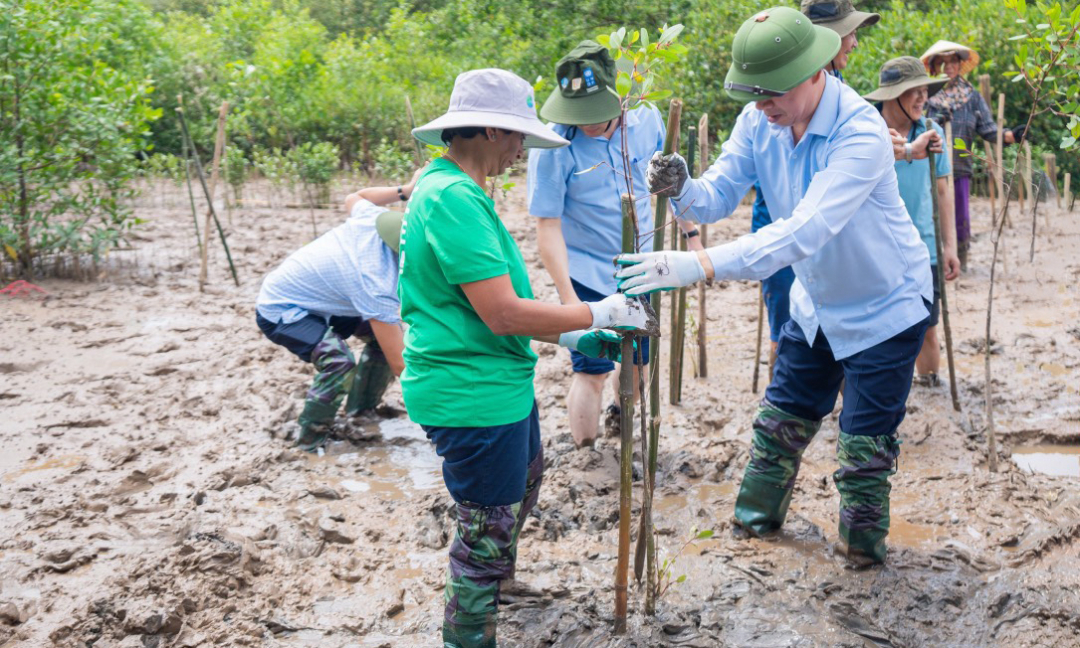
(590,203)
(348,272)
(861,270)
(914,181)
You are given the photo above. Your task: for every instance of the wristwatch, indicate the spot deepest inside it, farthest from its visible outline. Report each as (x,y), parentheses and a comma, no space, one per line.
(907,151)
(690,235)
(401,194)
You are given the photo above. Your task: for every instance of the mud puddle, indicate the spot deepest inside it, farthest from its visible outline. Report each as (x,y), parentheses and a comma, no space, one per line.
(397,463)
(1049,459)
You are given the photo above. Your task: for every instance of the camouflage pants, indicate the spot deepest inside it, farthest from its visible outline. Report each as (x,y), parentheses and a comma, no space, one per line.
(484,552)
(334,364)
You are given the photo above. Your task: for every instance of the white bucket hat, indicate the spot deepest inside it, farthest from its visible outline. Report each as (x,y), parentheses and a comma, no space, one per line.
(495,98)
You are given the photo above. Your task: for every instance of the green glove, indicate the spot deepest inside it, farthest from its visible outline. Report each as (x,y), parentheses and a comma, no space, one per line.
(595,343)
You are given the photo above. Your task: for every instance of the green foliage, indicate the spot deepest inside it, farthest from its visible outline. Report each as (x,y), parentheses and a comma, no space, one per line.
(164,166)
(74,110)
(392,162)
(235,169)
(314,166)
(639,59)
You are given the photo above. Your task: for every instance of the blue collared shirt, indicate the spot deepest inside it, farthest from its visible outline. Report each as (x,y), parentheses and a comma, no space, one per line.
(589,203)
(861,270)
(914,181)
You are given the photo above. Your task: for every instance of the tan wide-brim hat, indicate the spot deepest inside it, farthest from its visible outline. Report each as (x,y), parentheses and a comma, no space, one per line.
(495,98)
(969,58)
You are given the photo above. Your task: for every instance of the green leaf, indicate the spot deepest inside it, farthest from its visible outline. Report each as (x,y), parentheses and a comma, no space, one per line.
(644,37)
(623,84)
(669,34)
(681,579)
(703,535)
(959,144)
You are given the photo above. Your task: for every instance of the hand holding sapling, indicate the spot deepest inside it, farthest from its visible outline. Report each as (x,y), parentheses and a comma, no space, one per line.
(667,174)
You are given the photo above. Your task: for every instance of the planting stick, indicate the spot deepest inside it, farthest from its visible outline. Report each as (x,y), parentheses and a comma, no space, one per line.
(678,335)
(941,282)
(947,150)
(626,429)
(219,146)
(645,536)
(992,173)
(1067,191)
(412,125)
(1000,162)
(1050,164)
(760,329)
(191,195)
(703,144)
(206,192)
(1023,159)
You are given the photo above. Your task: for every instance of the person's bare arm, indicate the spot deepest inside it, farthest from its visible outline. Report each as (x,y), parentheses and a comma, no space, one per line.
(382,196)
(694,242)
(549,238)
(495,301)
(950,265)
(392,342)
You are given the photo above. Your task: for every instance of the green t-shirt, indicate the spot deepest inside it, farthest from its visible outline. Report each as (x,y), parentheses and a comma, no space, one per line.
(457,372)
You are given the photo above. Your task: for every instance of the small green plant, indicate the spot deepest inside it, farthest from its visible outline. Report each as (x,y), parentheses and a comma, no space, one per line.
(235,169)
(392,163)
(314,166)
(667,566)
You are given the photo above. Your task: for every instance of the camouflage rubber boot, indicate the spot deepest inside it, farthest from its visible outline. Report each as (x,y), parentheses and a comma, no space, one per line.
(372,377)
(779,441)
(480,635)
(334,365)
(863,481)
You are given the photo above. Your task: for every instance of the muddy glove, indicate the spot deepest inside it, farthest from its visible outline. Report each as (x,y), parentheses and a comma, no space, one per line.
(667,174)
(1018,132)
(594,344)
(621,313)
(648,272)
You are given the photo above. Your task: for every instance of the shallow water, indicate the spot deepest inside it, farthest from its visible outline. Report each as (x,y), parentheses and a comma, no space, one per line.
(1049,459)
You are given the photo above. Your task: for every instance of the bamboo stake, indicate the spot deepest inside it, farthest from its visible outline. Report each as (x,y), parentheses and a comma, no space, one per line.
(219,146)
(947,150)
(703,360)
(1050,164)
(1023,158)
(998,154)
(626,441)
(191,194)
(941,281)
(1067,191)
(645,536)
(760,329)
(992,173)
(679,311)
(206,192)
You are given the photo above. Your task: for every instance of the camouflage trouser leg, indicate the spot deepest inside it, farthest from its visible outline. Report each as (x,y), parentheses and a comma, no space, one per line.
(372,377)
(334,365)
(866,463)
(779,441)
(483,553)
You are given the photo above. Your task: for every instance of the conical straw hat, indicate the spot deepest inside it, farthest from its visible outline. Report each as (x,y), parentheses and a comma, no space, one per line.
(969,58)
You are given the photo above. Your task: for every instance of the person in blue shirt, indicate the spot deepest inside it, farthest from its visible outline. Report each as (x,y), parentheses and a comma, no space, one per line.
(575,194)
(841,17)
(861,300)
(341,285)
(904,88)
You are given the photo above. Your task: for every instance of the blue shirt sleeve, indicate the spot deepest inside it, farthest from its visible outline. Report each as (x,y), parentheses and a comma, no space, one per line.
(549,171)
(718,191)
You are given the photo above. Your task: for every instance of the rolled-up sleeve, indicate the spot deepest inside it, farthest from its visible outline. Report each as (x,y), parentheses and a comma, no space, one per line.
(854,166)
(718,191)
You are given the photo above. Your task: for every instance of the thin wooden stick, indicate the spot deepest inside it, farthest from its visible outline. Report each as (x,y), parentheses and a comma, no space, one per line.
(1023,158)
(947,150)
(993,187)
(1050,164)
(760,329)
(941,279)
(998,152)
(1067,191)
(219,147)
(703,359)
(626,440)
(679,311)
(191,194)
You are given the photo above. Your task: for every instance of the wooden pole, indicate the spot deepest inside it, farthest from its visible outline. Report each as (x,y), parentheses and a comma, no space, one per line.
(941,282)
(626,441)
(760,329)
(191,194)
(1000,162)
(671,144)
(947,150)
(679,330)
(703,357)
(219,147)
(1023,158)
(1050,164)
(992,173)
(1067,191)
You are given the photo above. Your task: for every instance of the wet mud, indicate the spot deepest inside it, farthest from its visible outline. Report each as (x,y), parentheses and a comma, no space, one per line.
(148,497)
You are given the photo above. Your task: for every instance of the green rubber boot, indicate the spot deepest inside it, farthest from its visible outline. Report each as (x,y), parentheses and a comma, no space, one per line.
(472,635)
(779,441)
(866,463)
(373,376)
(315,422)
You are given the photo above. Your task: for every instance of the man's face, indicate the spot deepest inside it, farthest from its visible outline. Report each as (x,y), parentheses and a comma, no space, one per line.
(847,44)
(793,106)
(913,101)
(596,130)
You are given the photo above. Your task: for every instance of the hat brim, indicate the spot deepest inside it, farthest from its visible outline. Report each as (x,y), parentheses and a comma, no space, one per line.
(596,108)
(537,135)
(969,58)
(824,48)
(388,227)
(889,93)
(851,22)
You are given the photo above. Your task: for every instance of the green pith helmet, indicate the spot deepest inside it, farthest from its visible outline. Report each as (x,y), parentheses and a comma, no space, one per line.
(775,51)
(388,226)
(899,75)
(838,15)
(582,96)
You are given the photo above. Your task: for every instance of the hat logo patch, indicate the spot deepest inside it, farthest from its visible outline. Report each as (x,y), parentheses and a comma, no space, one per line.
(576,84)
(529,101)
(564,82)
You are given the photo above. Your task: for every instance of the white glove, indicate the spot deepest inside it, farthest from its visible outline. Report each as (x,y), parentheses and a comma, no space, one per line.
(648,272)
(666,174)
(594,344)
(622,313)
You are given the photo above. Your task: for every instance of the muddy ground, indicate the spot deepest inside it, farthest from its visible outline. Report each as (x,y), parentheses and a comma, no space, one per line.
(148,498)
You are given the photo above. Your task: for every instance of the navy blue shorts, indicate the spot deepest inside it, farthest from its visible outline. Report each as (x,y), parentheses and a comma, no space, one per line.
(595,366)
(776,290)
(301,336)
(487,466)
(807,379)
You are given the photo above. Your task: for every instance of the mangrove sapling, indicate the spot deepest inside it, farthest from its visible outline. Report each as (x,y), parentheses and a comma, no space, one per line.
(667,565)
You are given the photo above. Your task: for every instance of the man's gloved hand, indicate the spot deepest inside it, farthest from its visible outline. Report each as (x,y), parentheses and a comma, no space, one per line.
(1018,132)
(648,272)
(666,174)
(622,313)
(594,344)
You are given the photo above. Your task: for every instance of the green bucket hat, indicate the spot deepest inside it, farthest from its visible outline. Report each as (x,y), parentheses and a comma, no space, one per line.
(775,51)
(838,15)
(899,75)
(582,96)
(388,226)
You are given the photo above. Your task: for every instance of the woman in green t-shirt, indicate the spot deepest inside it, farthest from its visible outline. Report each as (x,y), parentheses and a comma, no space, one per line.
(471,316)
